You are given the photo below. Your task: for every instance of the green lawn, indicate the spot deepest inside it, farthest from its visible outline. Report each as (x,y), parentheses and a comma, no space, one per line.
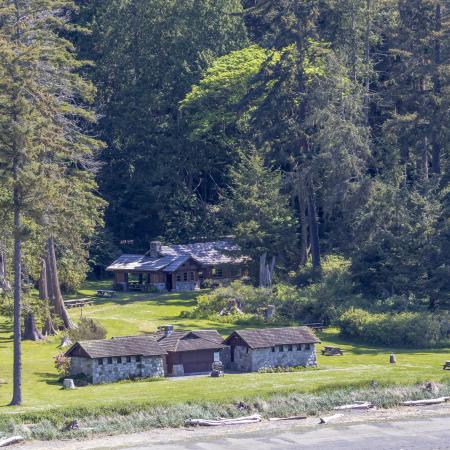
(129,314)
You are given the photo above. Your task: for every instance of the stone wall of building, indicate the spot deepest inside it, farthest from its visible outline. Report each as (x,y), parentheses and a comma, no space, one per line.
(266,357)
(256,359)
(114,369)
(186,286)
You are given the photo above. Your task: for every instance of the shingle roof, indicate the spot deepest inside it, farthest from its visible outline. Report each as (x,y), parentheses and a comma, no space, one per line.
(120,346)
(183,341)
(172,256)
(176,263)
(140,263)
(269,337)
(207,253)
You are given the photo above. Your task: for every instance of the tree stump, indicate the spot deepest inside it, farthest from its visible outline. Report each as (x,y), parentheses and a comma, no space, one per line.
(392,359)
(31,333)
(68,383)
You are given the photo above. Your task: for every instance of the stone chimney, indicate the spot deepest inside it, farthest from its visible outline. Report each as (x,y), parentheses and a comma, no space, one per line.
(155,248)
(166,329)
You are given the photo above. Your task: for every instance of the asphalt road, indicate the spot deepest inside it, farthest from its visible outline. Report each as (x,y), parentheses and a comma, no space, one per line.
(423,434)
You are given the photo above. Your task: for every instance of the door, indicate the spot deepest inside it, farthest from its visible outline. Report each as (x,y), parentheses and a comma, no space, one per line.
(197,361)
(169,285)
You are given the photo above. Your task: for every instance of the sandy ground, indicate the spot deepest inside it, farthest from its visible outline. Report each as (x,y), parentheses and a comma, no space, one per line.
(178,438)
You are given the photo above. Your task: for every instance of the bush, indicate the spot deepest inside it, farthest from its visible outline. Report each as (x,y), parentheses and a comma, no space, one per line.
(88,330)
(62,365)
(408,329)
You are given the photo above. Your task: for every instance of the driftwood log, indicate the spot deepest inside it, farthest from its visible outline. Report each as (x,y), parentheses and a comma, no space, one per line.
(433,401)
(12,440)
(223,422)
(324,420)
(356,405)
(278,419)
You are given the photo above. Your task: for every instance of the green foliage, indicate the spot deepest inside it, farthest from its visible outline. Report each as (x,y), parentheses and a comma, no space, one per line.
(406,329)
(87,330)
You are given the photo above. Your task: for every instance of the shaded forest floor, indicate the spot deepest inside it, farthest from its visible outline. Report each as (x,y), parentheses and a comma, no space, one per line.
(128,314)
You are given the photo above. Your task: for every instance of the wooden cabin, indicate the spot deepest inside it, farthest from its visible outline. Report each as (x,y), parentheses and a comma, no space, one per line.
(178,267)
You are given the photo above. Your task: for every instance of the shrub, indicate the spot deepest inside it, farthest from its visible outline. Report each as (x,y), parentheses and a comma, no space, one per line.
(409,329)
(62,365)
(87,330)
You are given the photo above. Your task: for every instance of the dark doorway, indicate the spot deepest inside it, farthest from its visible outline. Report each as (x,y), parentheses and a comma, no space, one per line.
(169,285)
(232,353)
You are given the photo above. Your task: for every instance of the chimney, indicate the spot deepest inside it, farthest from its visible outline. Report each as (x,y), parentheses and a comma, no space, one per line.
(166,329)
(155,249)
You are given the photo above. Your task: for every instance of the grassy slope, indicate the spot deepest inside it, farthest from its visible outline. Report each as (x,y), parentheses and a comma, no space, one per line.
(135,313)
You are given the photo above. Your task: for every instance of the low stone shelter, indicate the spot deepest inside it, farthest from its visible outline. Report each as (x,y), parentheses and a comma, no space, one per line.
(251,350)
(178,267)
(189,351)
(109,360)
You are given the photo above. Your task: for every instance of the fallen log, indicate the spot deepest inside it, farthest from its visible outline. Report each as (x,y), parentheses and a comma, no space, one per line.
(432,401)
(12,440)
(356,405)
(223,422)
(328,419)
(277,419)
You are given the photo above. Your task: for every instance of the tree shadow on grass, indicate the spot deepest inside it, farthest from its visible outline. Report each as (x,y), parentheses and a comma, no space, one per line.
(49,378)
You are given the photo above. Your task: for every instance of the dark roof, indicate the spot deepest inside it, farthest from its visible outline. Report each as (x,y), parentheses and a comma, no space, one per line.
(141,263)
(207,253)
(172,256)
(269,337)
(118,346)
(184,341)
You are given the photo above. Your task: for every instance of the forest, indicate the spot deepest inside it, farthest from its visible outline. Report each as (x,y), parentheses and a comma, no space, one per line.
(314,131)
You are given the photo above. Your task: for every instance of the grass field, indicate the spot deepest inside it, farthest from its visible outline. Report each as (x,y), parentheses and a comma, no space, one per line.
(129,314)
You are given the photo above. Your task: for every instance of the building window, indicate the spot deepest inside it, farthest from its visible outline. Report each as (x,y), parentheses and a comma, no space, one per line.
(273,349)
(100,361)
(289,348)
(192,276)
(307,346)
(219,273)
(138,359)
(178,277)
(110,360)
(299,347)
(185,276)
(281,348)
(128,359)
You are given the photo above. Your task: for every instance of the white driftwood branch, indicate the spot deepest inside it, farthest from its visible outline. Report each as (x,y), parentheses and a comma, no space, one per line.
(223,422)
(12,440)
(356,405)
(277,419)
(433,401)
(330,418)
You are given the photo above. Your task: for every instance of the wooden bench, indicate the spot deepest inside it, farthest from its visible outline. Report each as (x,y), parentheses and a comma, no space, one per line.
(447,365)
(105,293)
(315,326)
(78,303)
(332,351)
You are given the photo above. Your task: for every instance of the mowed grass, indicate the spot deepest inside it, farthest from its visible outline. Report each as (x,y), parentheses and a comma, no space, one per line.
(128,314)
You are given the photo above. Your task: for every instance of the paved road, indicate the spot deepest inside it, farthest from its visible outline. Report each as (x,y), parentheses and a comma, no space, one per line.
(423,434)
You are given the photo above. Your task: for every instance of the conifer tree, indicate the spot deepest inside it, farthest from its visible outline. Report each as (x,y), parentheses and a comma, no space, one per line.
(40,123)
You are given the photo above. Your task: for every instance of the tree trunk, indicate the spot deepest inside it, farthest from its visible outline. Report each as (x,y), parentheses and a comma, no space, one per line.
(49,328)
(54,291)
(303,224)
(436,144)
(31,332)
(313,227)
(17,369)
(423,169)
(4,284)
(262,269)
(367,57)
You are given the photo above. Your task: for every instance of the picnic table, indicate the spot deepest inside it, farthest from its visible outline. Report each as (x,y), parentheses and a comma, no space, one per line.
(332,351)
(447,365)
(78,303)
(105,293)
(319,326)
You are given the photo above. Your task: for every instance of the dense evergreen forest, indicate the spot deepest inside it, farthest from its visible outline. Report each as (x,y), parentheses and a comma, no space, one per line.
(307,129)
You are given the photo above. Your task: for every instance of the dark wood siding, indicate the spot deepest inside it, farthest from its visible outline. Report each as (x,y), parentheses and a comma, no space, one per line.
(194,361)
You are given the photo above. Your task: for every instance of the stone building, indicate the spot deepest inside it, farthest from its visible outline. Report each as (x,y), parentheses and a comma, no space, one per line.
(251,350)
(178,267)
(190,351)
(109,360)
